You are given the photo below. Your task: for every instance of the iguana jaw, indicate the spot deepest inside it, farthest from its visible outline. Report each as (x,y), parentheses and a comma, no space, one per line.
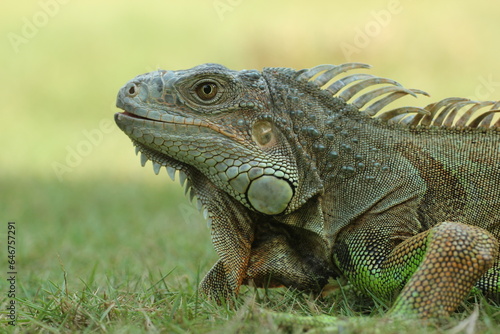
(257,187)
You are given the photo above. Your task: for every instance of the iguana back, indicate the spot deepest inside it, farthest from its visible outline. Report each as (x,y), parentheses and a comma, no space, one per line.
(306,175)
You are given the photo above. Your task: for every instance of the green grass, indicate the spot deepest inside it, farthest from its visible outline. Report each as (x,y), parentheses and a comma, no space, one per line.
(107,256)
(108,246)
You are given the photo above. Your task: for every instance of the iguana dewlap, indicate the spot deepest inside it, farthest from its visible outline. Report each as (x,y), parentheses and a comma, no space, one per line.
(310,174)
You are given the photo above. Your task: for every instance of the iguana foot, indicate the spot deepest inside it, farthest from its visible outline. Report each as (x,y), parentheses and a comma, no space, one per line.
(456,256)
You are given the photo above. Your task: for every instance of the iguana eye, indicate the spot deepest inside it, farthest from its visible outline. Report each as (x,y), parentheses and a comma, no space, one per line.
(206,90)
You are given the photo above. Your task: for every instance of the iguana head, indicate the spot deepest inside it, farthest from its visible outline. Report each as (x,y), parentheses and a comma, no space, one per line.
(221,123)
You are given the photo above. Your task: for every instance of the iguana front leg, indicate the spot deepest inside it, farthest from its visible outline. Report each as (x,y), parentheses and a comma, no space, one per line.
(232,236)
(434,270)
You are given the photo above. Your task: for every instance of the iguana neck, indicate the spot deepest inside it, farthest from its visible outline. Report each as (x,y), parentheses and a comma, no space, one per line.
(334,138)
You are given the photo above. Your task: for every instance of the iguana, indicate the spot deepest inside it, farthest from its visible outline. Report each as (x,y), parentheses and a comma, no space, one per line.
(310,174)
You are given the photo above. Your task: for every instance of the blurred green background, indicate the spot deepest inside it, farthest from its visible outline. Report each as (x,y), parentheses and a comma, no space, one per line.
(70,179)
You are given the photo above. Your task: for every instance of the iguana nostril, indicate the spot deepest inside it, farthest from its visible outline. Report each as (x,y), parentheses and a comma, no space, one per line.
(132,90)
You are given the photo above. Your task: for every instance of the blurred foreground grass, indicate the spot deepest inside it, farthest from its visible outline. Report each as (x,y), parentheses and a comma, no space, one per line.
(104,245)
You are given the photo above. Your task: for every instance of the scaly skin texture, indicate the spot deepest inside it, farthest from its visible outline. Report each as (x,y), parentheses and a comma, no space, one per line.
(306,175)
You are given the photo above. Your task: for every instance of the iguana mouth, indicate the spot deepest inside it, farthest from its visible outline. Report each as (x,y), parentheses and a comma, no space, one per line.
(182,121)
(129,114)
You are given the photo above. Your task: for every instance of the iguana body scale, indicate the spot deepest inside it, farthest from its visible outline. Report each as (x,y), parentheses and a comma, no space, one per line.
(306,175)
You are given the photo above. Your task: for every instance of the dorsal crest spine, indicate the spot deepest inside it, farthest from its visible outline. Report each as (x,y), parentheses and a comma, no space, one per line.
(449,113)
